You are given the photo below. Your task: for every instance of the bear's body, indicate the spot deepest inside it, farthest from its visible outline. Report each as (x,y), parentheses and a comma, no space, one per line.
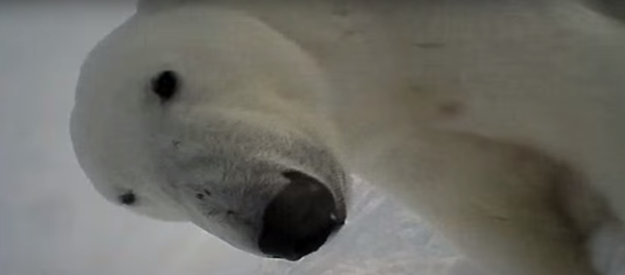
(499,121)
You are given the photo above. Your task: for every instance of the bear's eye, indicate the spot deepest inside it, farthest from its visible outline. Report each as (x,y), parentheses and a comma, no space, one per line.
(128,198)
(165,85)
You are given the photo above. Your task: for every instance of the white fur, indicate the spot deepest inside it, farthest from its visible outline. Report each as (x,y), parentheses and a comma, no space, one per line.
(499,121)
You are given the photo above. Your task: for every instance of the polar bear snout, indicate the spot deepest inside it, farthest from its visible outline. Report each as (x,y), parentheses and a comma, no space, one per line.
(299,219)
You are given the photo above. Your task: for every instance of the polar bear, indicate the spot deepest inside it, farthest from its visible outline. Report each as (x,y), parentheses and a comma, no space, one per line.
(498,121)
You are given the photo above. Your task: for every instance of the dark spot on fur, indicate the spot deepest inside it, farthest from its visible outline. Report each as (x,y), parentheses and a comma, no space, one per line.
(208,193)
(430,45)
(500,218)
(212,212)
(200,196)
(166,84)
(230,212)
(128,198)
(341,11)
(450,108)
(418,90)
(176,143)
(349,33)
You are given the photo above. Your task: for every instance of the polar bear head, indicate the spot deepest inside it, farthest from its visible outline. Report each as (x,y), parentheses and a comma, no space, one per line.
(211,116)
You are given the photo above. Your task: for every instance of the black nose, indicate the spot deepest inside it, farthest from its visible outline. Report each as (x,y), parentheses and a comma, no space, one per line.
(299,219)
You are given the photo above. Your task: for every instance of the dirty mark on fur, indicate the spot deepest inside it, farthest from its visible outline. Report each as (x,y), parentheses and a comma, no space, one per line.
(430,45)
